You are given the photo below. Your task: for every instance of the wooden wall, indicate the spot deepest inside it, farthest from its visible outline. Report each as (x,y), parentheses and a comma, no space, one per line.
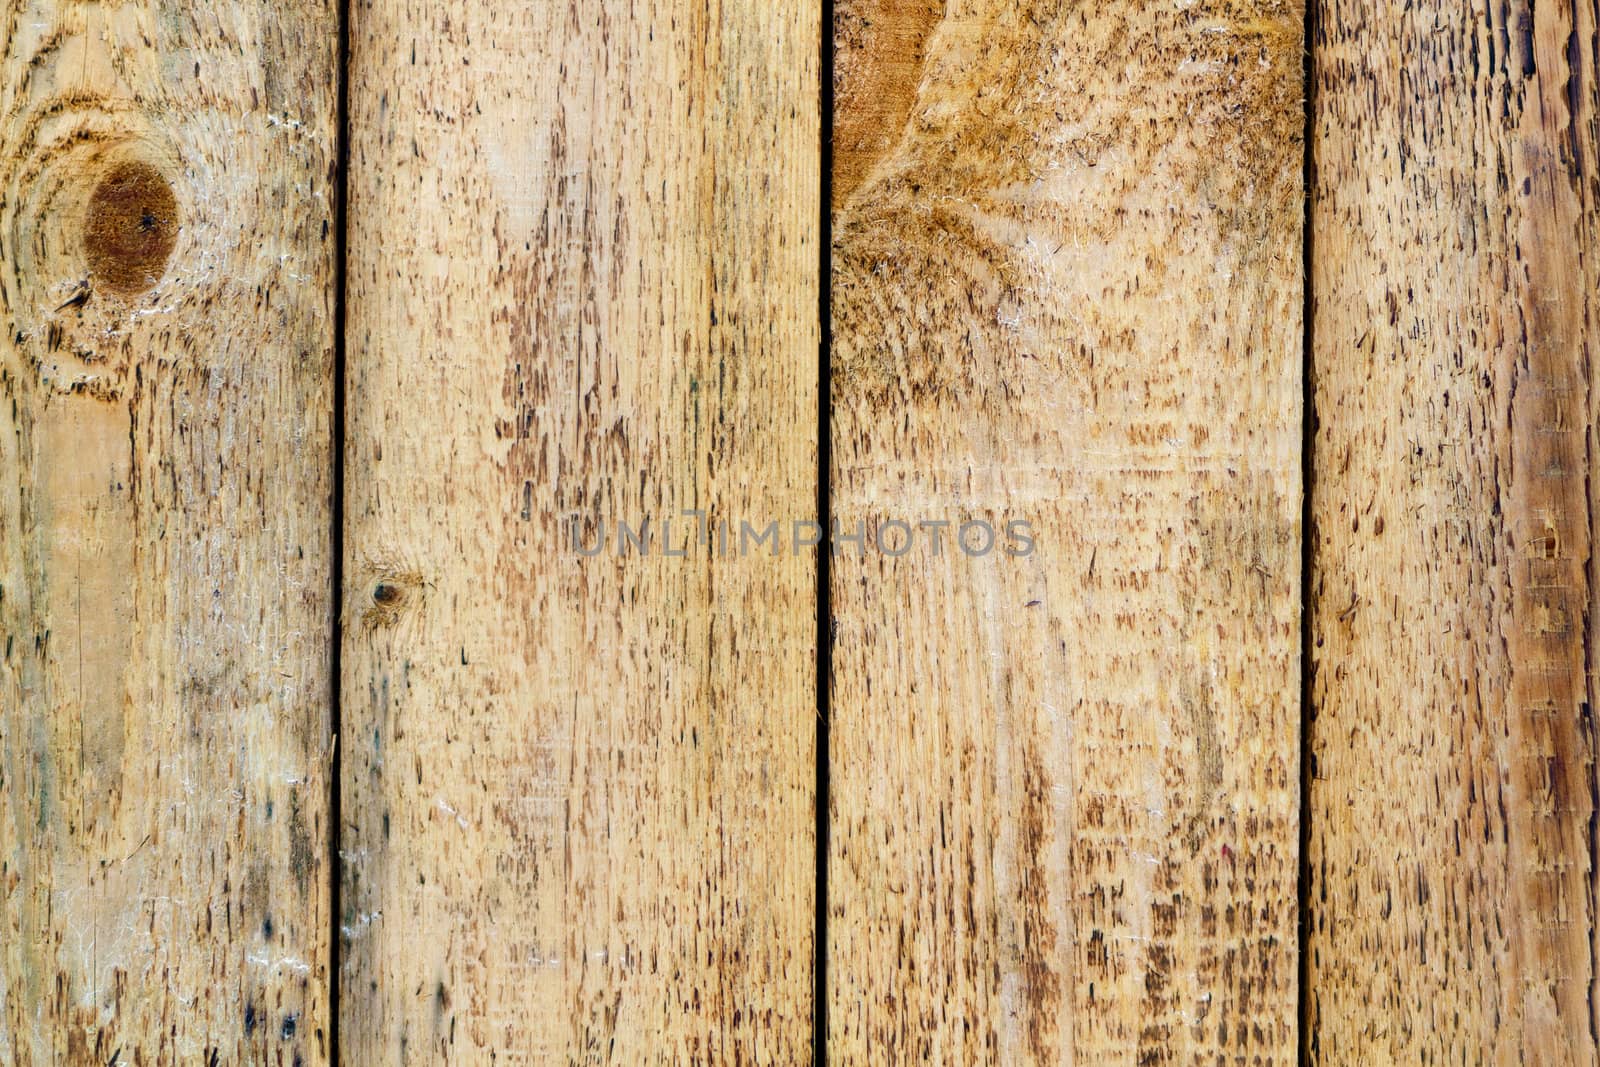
(578,806)
(168,235)
(1456,285)
(350,355)
(1068,292)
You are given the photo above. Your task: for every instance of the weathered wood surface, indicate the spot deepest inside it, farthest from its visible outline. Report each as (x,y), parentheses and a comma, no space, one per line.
(166,373)
(1068,291)
(1456,267)
(578,791)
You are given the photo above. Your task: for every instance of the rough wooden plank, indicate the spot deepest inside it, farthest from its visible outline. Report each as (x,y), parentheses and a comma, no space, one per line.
(166,296)
(1064,785)
(583,282)
(1456,248)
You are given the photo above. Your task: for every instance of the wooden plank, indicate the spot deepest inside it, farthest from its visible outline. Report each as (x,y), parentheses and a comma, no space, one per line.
(1064,784)
(166,372)
(1456,269)
(578,791)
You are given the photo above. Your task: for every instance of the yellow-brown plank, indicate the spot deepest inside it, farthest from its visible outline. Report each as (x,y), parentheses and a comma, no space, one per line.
(578,803)
(166,373)
(1456,273)
(1067,292)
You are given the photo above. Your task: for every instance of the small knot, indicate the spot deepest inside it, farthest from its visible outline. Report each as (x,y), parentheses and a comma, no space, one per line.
(390,593)
(130,228)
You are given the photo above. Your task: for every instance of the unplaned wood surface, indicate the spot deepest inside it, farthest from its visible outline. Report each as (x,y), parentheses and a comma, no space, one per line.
(1456,252)
(1067,291)
(166,373)
(578,790)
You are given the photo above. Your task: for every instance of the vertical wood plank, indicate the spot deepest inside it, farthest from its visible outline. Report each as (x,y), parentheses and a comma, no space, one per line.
(166,297)
(583,284)
(1456,248)
(1067,292)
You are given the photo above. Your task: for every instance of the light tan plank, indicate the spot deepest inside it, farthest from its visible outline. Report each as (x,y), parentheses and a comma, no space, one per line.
(583,282)
(1456,248)
(1064,785)
(166,371)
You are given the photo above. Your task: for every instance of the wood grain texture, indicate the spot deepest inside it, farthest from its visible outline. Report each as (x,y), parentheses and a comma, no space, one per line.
(1456,269)
(1064,785)
(578,791)
(166,372)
